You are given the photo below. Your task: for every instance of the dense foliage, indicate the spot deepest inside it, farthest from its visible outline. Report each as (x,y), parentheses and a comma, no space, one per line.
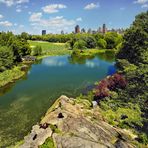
(133,61)
(12,49)
(6,58)
(135,46)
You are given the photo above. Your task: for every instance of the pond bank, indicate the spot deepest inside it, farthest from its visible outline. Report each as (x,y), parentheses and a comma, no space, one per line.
(10,76)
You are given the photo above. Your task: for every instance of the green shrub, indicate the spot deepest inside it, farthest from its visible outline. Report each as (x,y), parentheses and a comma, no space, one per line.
(80,44)
(131,111)
(90,42)
(112,39)
(143,138)
(37,51)
(48,143)
(102,43)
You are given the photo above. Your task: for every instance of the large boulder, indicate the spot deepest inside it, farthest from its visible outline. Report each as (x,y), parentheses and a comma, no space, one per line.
(79,127)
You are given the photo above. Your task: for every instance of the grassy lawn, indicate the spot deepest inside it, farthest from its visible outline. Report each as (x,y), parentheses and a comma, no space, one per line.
(49,49)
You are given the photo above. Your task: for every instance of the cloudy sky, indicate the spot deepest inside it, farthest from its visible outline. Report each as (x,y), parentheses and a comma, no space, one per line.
(55,15)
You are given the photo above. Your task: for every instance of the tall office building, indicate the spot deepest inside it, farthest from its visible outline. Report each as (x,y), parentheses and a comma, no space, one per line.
(77,29)
(43,32)
(104,29)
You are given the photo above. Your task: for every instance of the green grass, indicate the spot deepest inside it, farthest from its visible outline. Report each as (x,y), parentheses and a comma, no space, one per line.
(92,52)
(50,49)
(48,143)
(10,75)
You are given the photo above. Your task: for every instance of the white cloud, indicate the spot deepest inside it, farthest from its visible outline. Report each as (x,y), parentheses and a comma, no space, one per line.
(13,2)
(79,19)
(58,21)
(18,10)
(144,6)
(1,16)
(22,1)
(35,17)
(140,1)
(15,24)
(91,6)
(91,64)
(53,8)
(143,3)
(53,24)
(6,23)
(54,62)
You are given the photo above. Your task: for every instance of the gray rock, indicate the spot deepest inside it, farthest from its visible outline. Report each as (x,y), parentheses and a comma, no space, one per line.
(80,127)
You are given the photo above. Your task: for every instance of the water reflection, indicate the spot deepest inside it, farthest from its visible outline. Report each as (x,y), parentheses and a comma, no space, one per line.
(108,56)
(54,61)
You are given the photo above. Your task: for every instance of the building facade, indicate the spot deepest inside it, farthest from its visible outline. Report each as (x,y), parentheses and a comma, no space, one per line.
(104,29)
(77,29)
(43,32)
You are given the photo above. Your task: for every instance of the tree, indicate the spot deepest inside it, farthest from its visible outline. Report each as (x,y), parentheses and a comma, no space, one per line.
(37,51)
(80,44)
(102,43)
(90,41)
(132,61)
(20,47)
(6,58)
(135,46)
(112,39)
(25,35)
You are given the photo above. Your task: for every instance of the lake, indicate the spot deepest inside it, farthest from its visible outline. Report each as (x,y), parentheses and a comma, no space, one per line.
(23,103)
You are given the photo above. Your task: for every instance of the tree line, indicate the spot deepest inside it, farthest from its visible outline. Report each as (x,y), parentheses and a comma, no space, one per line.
(109,40)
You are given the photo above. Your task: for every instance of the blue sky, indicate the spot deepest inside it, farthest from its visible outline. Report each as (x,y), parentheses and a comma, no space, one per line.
(55,15)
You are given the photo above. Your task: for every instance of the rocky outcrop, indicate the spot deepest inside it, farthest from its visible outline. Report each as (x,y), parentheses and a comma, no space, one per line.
(73,124)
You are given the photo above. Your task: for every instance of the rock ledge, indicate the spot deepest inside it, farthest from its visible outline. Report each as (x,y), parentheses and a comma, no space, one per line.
(73,124)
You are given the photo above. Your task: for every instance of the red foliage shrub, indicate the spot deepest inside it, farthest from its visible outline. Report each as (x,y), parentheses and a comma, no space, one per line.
(113,82)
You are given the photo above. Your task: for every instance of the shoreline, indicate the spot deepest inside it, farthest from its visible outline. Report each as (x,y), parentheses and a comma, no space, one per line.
(11,76)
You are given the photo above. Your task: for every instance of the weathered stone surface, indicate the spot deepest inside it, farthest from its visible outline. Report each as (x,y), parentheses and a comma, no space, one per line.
(36,137)
(79,127)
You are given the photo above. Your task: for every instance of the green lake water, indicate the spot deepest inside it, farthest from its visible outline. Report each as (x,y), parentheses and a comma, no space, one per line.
(23,103)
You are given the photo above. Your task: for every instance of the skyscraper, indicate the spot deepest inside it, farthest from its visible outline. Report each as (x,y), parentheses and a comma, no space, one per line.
(62,32)
(43,32)
(77,29)
(83,30)
(104,29)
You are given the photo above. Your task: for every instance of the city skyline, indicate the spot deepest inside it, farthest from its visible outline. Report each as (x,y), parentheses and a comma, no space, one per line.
(32,17)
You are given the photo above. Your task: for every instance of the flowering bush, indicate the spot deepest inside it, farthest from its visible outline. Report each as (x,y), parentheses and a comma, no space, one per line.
(109,84)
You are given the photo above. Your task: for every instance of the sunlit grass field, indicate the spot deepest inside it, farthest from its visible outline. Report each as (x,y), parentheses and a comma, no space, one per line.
(50,48)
